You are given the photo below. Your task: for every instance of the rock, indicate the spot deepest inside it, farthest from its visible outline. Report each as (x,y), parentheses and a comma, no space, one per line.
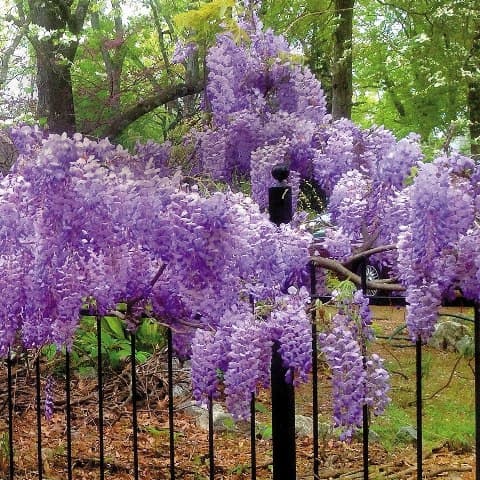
(447,334)
(181,390)
(194,410)
(373,437)
(407,434)
(325,431)
(222,421)
(303,426)
(8,153)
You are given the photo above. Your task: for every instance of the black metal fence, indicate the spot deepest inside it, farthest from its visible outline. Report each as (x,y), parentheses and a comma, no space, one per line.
(283,462)
(283,399)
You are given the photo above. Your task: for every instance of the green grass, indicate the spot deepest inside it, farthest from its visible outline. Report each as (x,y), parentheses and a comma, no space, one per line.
(448,406)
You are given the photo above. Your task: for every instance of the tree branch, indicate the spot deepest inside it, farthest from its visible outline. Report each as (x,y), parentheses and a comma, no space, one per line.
(168,94)
(78,19)
(370,252)
(7,55)
(341,269)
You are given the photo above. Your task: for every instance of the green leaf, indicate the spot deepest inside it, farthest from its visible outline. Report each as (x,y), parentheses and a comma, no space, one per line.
(142,357)
(49,351)
(150,333)
(265,431)
(114,326)
(260,407)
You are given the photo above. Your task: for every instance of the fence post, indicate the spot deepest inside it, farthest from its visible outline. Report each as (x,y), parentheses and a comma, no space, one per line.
(39,417)
(11,461)
(477,387)
(419,406)
(365,412)
(313,294)
(283,396)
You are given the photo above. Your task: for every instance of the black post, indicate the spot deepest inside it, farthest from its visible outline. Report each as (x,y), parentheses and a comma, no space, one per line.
(283,421)
(171,425)
(68,414)
(133,364)
(280,197)
(211,452)
(418,363)
(39,417)
(253,448)
(101,445)
(365,412)
(253,433)
(283,395)
(11,462)
(313,292)
(477,387)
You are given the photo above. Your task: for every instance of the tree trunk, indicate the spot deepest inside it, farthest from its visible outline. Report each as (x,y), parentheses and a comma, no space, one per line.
(55,96)
(473,97)
(54,57)
(342,61)
(319,62)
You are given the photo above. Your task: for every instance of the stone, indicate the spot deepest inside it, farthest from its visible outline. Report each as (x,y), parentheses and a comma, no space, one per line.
(8,153)
(373,436)
(447,334)
(303,426)
(222,421)
(407,434)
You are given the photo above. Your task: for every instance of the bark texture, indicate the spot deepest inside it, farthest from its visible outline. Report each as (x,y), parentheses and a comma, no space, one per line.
(342,61)
(473,97)
(54,59)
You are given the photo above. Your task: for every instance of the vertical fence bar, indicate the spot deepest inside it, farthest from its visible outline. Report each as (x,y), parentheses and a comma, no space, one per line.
(253,433)
(39,417)
(11,461)
(101,446)
(133,363)
(253,439)
(171,424)
(419,405)
(283,421)
(477,387)
(365,412)
(313,292)
(68,414)
(211,453)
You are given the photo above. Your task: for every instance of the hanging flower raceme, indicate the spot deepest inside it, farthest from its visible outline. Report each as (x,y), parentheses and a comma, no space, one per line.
(238,353)
(441,212)
(358,378)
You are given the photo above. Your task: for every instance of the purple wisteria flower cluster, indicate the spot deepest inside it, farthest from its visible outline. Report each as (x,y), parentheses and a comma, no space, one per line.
(265,109)
(84,225)
(358,378)
(237,354)
(436,255)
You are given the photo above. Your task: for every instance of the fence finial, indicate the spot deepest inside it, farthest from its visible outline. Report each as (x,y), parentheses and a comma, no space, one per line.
(280,196)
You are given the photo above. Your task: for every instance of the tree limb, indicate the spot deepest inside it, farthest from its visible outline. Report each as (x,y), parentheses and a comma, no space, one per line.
(341,269)
(7,55)
(78,18)
(168,94)
(371,251)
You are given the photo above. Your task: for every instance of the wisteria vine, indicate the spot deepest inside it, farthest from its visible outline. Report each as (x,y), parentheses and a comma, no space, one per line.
(87,224)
